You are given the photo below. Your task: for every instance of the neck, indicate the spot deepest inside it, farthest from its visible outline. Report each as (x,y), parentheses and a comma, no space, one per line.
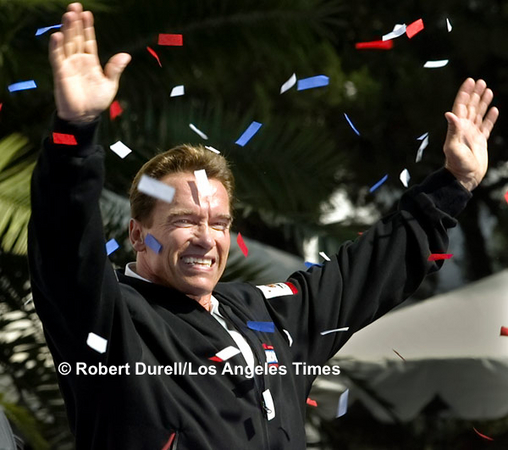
(205,301)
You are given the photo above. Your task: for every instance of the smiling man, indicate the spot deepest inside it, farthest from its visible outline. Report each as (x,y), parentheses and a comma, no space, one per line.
(163,355)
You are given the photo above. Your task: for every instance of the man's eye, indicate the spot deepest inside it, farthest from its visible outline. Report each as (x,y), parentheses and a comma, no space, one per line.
(183,222)
(220,226)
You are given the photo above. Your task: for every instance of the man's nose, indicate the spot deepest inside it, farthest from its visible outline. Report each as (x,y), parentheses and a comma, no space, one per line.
(203,236)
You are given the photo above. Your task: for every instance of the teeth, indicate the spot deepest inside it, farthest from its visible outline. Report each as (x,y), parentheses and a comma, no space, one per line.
(202,261)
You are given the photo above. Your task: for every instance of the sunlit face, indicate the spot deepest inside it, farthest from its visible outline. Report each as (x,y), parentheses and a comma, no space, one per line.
(194,233)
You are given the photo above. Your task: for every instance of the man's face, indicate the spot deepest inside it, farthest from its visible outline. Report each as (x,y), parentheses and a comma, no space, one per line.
(194,233)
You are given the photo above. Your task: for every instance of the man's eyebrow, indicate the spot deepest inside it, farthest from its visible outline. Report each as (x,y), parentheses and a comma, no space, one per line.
(182,212)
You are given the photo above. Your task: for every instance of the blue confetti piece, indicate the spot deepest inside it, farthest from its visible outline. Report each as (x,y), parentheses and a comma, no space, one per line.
(22,85)
(267,327)
(312,82)
(379,183)
(248,133)
(111,246)
(351,124)
(43,30)
(153,243)
(342,407)
(309,264)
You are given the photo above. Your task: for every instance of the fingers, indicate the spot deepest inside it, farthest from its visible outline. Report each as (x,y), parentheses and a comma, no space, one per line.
(90,43)
(116,66)
(78,31)
(489,122)
(56,51)
(474,100)
(462,99)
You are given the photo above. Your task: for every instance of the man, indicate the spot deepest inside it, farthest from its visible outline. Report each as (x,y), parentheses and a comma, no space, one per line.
(163,356)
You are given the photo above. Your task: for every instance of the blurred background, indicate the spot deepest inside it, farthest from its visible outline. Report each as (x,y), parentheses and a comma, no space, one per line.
(434,374)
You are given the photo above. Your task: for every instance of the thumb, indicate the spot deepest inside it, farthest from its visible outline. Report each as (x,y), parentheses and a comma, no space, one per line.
(453,126)
(116,66)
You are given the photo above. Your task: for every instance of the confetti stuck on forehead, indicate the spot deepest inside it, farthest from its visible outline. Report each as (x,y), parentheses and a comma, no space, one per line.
(22,86)
(98,343)
(375,45)
(120,149)
(111,246)
(45,29)
(405,177)
(342,406)
(115,110)
(266,327)
(288,84)
(178,91)
(175,40)
(436,64)
(414,28)
(351,124)
(202,183)
(197,131)
(312,82)
(154,54)
(398,30)
(155,188)
(153,243)
(248,133)
(335,330)
(439,256)
(242,245)
(64,139)
(378,184)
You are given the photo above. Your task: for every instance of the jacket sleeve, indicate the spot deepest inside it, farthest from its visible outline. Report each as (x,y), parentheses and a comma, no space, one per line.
(74,286)
(372,275)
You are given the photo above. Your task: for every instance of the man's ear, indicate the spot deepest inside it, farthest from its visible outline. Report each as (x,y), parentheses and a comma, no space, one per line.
(136,235)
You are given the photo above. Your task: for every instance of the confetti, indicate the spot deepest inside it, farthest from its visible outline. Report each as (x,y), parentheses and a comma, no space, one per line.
(278,289)
(153,243)
(193,128)
(506,196)
(43,30)
(1,104)
(422,137)
(212,149)
(351,124)
(242,245)
(336,330)
(312,82)
(504,331)
(156,188)
(342,406)
(482,435)
(22,86)
(398,30)
(171,39)
(248,133)
(423,146)
(290,339)
(379,183)
(28,301)
(398,354)
(375,45)
(167,445)
(414,28)
(268,404)
(267,327)
(111,246)
(64,139)
(154,54)
(178,91)
(324,256)
(439,256)
(311,402)
(115,110)
(435,64)
(288,84)
(120,149)
(310,264)
(404,177)
(225,354)
(202,182)
(99,344)
(449,26)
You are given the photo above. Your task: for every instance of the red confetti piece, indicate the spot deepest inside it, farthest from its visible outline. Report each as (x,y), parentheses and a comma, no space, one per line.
(398,354)
(311,402)
(414,28)
(439,256)
(152,52)
(506,196)
(241,244)
(482,435)
(504,331)
(168,444)
(115,110)
(171,39)
(215,358)
(65,139)
(379,45)
(1,104)
(291,286)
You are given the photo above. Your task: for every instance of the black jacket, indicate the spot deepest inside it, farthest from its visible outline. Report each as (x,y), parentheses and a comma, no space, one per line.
(76,292)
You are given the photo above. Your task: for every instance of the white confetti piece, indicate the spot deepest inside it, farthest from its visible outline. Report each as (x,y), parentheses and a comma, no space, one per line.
(156,188)
(199,132)
(422,137)
(324,256)
(99,344)
(288,84)
(202,182)
(398,30)
(335,330)
(423,146)
(342,407)
(227,353)
(212,149)
(268,404)
(449,26)
(405,177)
(436,64)
(120,149)
(178,91)
(290,339)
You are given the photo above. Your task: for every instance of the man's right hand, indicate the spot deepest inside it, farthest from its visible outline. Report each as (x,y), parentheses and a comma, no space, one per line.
(83,90)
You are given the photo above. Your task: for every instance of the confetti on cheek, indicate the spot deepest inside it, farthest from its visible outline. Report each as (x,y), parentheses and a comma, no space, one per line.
(436,64)
(375,45)
(45,29)
(202,183)
(449,26)
(22,86)
(156,189)
(120,149)
(378,184)
(397,31)
(439,256)
(212,149)
(199,132)
(242,245)
(98,343)
(398,354)
(311,402)
(111,246)
(154,54)
(342,406)
(248,133)
(175,40)
(288,84)
(405,177)
(167,445)
(504,331)
(336,330)
(266,327)
(153,243)
(482,435)
(324,256)
(414,28)
(312,82)
(177,91)
(64,139)
(351,124)
(115,110)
